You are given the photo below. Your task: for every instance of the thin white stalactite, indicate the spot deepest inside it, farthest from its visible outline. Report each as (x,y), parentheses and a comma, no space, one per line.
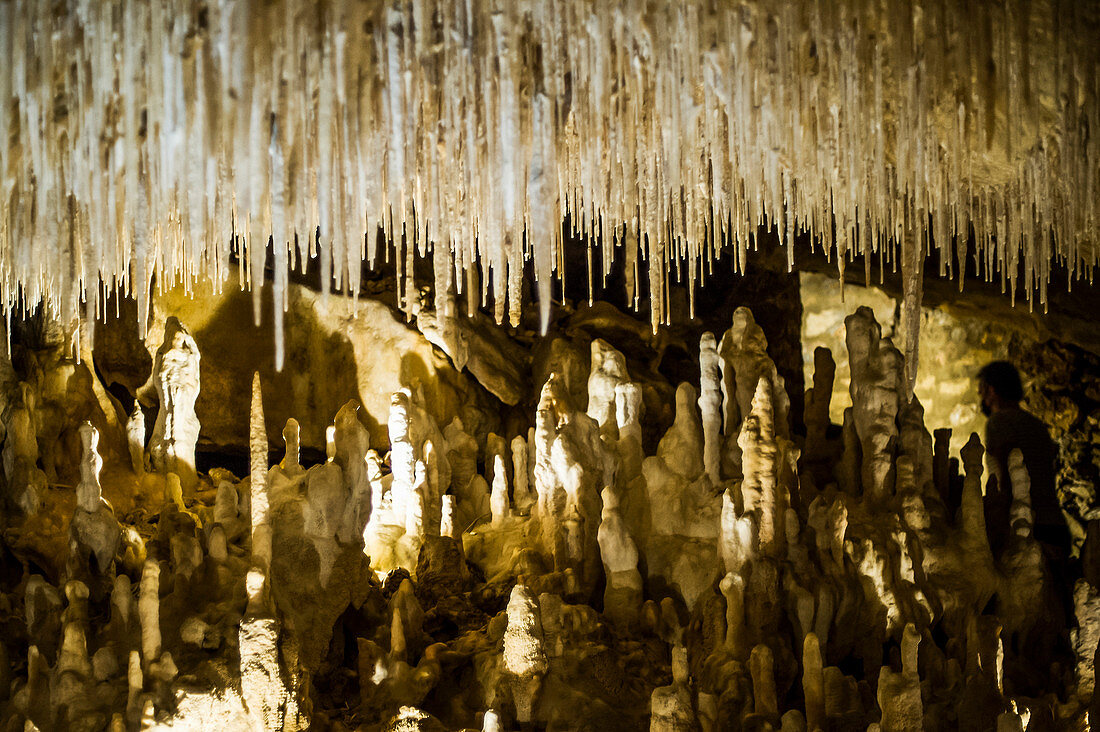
(144,141)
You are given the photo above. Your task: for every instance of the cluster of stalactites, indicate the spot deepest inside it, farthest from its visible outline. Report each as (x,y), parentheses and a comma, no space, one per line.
(152,141)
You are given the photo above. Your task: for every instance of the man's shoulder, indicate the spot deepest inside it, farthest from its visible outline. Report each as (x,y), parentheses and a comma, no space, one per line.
(998,424)
(1010,425)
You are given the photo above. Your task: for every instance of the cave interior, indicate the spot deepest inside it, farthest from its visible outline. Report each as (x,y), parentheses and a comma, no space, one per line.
(549,366)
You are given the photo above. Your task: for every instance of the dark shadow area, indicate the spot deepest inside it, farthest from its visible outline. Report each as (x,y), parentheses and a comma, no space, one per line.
(765,287)
(232,348)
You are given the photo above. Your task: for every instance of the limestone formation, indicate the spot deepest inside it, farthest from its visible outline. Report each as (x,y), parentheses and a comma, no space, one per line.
(20,452)
(352,443)
(259,499)
(623,592)
(763,682)
(447,521)
(498,497)
(677,565)
(899,694)
(679,448)
(149,613)
(176,380)
(759,465)
(1020,513)
(710,406)
(876,385)
(568,475)
(744,361)
(813,683)
(135,439)
(523,497)
(262,686)
(607,375)
(523,658)
(671,706)
(292,439)
(94,531)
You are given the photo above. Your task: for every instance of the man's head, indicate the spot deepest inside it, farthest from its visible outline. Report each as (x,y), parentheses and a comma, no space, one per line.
(999,386)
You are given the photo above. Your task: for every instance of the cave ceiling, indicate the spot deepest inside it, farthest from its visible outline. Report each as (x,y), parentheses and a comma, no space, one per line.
(157,142)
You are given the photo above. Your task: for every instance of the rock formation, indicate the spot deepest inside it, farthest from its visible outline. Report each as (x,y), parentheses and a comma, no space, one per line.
(720,572)
(176,380)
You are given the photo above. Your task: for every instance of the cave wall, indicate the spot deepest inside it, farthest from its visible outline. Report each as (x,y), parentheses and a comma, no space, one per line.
(954,345)
(1061,378)
(337,350)
(1062,384)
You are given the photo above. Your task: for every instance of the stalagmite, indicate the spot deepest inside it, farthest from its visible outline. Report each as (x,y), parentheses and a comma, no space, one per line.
(73,670)
(402,454)
(494,574)
(135,439)
(899,694)
(523,659)
(292,439)
(122,609)
(758,450)
(523,497)
(89,493)
(710,405)
(707,705)
(261,523)
(491,722)
(94,529)
(42,609)
(498,498)
(680,447)
(417,506)
(262,686)
(225,503)
(608,372)
(447,522)
(670,706)
(136,684)
(173,492)
(737,534)
(876,386)
(176,378)
(971,511)
(20,454)
(744,362)
(761,665)
(733,589)
(813,683)
(1020,515)
(149,612)
(628,414)
(568,464)
(818,399)
(623,592)
(352,442)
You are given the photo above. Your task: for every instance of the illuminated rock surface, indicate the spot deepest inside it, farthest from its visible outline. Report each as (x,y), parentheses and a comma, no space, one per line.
(148,142)
(729,575)
(317,409)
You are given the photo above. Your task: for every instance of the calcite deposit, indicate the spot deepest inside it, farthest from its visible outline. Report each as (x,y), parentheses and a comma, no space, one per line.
(145,144)
(738,573)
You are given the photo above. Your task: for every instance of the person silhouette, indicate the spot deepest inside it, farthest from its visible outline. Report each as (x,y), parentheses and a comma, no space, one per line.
(1009,428)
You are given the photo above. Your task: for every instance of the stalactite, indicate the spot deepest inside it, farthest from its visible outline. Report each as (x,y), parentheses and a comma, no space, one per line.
(154,143)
